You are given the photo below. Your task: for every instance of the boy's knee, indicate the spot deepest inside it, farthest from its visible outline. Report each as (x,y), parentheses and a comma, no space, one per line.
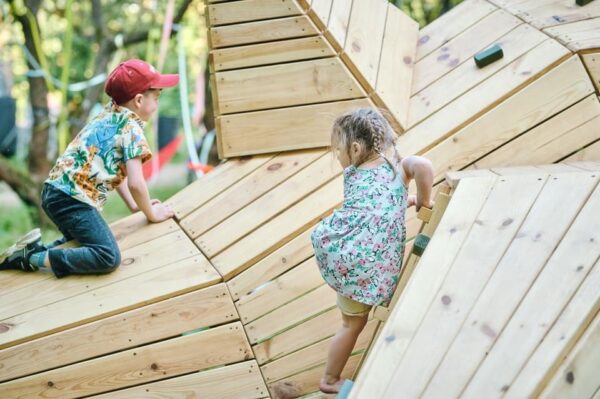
(109,260)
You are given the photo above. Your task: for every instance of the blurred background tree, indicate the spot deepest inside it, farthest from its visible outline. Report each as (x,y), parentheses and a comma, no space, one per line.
(425,11)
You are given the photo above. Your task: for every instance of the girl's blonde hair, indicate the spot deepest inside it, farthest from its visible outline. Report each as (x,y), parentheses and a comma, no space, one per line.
(368,127)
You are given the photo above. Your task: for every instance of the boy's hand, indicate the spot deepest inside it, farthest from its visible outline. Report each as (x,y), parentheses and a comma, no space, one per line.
(161,213)
(155,201)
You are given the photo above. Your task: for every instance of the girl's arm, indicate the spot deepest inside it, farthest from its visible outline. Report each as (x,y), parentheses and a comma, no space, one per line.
(421,170)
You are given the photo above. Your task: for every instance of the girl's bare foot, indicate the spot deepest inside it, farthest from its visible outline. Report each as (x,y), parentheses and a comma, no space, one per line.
(330,385)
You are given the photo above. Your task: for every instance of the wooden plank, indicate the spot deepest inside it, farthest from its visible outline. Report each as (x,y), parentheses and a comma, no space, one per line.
(262,31)
(592,64)
(577,36)
(590,153)
(286,288)
(273,265)
(310,357)
(275,86)
(135,261)
(466,76)
(564,272)
(394,78)
(408,313)
(197,309)
(451,24)
(568,329)
(556,90)
(558,168)
(214,347)
(251,187)
(490,92)
(337,27)
(174,279)
(236,381)
(462,48)
(135,229)
(309,332)
(516,170)
(270,53)
(311,304)
(210,185)
(541,232)
(490,237)
(308,381)
(284,129)
(559,12)
(578,376)
(362,50)
(267,206)
(319,12)
(278,231)
(551,141)
(453,178)
(251,10)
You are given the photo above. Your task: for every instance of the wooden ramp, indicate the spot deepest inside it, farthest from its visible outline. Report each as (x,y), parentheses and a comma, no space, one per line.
(226,301)
(505,300)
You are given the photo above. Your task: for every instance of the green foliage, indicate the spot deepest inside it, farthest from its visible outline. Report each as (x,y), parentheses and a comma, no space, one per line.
(425,11)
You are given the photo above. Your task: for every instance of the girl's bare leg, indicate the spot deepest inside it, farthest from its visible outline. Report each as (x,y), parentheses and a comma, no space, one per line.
(340,350)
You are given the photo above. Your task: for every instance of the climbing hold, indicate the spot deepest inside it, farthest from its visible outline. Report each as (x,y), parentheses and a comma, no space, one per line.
(488,56)
(421,241)
(582,2)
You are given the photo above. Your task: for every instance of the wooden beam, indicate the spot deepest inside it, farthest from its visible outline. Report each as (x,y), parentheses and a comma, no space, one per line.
(251,10)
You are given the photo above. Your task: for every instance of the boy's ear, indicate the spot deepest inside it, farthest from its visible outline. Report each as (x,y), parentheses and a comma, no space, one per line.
(138,99)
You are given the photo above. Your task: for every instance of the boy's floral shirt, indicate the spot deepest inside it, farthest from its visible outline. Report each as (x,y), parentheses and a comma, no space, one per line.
(359,248)
(94,162)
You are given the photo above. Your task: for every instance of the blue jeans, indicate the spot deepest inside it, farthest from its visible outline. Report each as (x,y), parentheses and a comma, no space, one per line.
(78,221)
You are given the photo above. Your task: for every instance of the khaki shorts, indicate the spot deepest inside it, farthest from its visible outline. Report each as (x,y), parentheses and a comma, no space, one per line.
(350,307)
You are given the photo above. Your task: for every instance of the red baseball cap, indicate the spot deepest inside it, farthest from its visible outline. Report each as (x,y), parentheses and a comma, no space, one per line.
(134,77)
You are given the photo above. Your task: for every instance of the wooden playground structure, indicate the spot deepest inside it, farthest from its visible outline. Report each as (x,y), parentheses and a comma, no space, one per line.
(225,301)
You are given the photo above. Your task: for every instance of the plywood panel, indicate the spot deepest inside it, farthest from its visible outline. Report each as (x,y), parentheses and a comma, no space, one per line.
(564,272)
(165,319)
(337,27)
(467,76)
(273,265)
(283,129)
(542,15)
(408,313)
(293,284)
(462,48)
(270,53)
(176,278)
(487,242)
(217,346)
(564,334)
(362,50)
(262,31)
(311,304)
(577,36)
(551,141)
(210,185)
(319,12)
(251,10)
(276,86)
(540,233)
(396,67)
(279,230)
(309,332)
(135,261)
(267,206)
(578,377)
(237,381)
(592,64)
(486,95)
(451,24)
(548,95)
(251,187)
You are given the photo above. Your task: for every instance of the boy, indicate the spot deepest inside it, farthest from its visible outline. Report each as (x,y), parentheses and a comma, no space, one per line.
(108,153)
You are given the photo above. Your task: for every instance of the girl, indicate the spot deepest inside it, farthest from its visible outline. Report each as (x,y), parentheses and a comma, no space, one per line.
(359,248)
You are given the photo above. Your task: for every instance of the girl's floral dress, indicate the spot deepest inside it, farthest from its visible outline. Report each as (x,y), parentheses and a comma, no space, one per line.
(359,248)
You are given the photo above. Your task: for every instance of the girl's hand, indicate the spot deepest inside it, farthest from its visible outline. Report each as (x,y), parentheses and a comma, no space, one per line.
(155,201)
(411,200)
